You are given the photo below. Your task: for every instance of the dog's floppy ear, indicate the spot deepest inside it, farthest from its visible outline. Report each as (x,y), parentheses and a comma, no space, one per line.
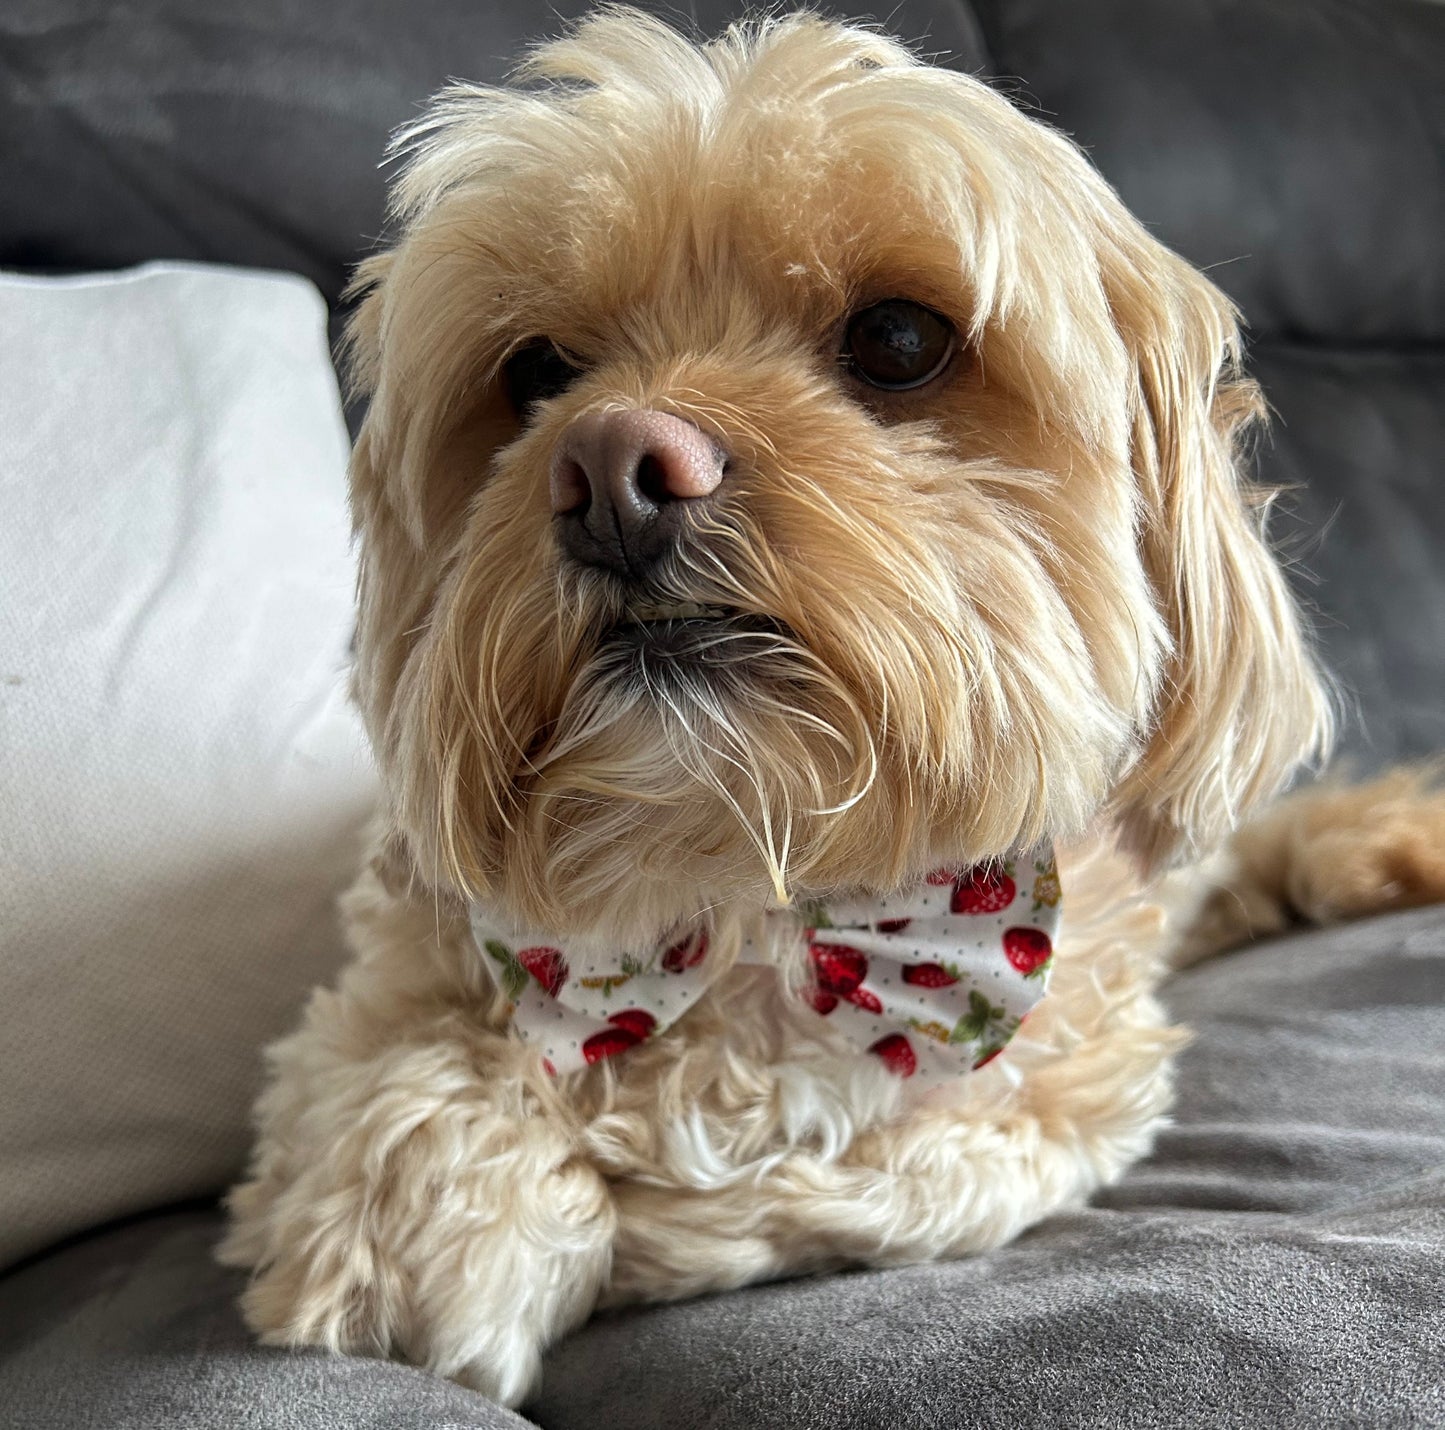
(1242,702)
(395,576)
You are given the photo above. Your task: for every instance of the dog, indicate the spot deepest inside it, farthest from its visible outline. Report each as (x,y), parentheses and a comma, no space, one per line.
(810,599)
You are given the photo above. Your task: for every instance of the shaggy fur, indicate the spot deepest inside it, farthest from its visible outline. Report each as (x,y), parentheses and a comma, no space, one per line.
(1029,599)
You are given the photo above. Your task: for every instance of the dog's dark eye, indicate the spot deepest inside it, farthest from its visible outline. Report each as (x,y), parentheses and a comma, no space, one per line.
(896,344)
(535,372)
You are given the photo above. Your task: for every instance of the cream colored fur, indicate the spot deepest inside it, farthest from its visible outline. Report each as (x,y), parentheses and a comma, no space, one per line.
(1028,600)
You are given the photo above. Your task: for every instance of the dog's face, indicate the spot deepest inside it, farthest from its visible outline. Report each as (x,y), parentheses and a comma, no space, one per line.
(787,462)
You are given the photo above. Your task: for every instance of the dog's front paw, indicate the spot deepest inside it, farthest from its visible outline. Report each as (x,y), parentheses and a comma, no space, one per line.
(426,1203)
(481,1316)
(474,1290)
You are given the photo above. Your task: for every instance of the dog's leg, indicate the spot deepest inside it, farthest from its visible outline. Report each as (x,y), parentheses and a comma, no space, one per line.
(417,1188)
(1069,1107)
(943,1185)
(1320,856)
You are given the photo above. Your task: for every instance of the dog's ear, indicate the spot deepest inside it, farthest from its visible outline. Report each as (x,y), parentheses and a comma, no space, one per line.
(1242,702)
(394,585)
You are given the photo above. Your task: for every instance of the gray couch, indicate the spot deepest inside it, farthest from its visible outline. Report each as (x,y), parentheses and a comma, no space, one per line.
(1280,1260)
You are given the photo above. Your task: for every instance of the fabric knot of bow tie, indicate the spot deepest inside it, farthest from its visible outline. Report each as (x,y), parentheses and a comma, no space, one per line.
(933,980)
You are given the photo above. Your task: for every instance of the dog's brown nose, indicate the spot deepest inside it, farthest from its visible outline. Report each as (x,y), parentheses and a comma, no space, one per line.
(618,481)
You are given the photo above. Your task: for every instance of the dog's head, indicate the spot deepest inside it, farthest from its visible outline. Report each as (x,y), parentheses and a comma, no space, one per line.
(787,461)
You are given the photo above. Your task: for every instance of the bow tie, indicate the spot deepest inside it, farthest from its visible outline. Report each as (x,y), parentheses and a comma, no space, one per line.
(933,980)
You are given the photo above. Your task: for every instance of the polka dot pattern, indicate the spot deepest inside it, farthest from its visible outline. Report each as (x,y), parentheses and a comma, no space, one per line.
(934,979)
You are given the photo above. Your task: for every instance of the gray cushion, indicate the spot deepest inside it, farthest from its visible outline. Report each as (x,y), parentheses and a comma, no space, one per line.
(1279,1261)
(1358,441)
(137,1329)
(1290,147)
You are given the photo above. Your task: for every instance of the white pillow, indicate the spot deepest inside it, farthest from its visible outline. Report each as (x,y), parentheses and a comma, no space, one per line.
(182,781)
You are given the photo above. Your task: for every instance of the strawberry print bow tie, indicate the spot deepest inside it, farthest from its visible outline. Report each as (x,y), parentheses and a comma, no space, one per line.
(934,980)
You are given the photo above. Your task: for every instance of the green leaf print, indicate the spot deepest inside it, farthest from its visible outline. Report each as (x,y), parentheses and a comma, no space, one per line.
(984,1020)
(514,976)
(815,916)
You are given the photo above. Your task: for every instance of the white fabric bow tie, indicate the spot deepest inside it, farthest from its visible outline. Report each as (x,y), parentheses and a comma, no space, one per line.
(934,980)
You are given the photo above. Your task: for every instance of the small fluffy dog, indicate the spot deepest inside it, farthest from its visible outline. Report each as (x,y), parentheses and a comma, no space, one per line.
(795,496)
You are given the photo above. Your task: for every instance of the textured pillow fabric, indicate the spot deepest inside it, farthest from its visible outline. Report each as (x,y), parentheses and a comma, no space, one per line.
(181,778)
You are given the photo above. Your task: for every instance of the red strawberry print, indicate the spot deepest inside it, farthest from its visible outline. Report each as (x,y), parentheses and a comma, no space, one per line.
(986,1059)
(687,954)
(897,1052)
(824,1003)
(1028,949)
(941,878)
(892,925)
(928,975)
(984,889)
(547,966)
(548,1068)
(607,1044)
(629,1027)
(866,1000)
(636,1021)
(839,969)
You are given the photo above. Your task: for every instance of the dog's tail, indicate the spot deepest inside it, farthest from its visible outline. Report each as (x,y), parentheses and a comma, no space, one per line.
(1329,852)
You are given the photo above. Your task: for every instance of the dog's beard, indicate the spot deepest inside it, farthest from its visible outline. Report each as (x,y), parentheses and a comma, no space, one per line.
(703,747)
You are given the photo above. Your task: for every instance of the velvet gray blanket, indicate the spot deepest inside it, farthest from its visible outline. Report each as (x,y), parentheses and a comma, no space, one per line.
(1280,1261)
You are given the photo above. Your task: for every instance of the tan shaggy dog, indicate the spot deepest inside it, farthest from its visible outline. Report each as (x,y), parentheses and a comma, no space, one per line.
(789,469)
